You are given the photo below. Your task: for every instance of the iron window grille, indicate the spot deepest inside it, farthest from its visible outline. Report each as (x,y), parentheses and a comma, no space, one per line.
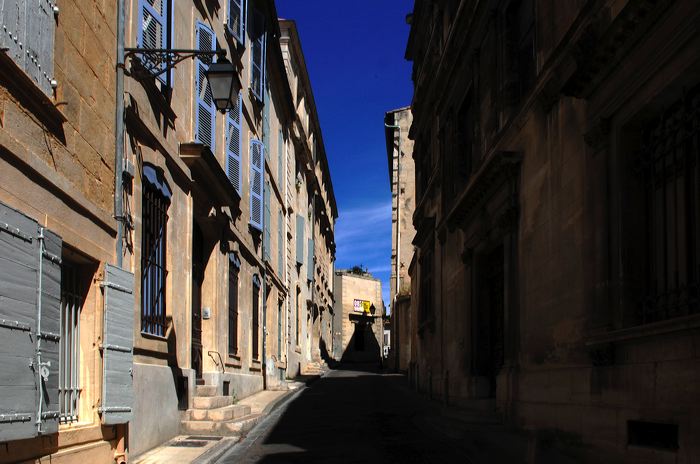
(69,366)
(670,149)
(156,200)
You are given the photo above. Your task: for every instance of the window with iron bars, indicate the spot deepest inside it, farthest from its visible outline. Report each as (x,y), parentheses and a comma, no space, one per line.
(69,367)
(671,173)
(155,203)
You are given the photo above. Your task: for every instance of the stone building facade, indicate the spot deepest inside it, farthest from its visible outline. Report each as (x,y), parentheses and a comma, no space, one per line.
(313,212)
(57,230)
(402,179)
(555,281)
(358,317)
(208,223)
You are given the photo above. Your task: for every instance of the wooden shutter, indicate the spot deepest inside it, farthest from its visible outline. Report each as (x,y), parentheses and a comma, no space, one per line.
(205,111)
(280,159)
(300,239)
(267,245)
(117,346)
(49,325)
(234,144)
(236,20)
(256,183)
(266,126)
(257,56)
(29,260)
(280,244)
(310,264)
(27,30)
(152,29)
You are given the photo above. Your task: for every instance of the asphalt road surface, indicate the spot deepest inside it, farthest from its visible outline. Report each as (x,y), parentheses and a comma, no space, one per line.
(350,415)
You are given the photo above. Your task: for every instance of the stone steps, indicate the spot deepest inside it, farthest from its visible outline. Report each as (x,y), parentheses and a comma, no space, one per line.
(211,402)
(221,428)
(233,411)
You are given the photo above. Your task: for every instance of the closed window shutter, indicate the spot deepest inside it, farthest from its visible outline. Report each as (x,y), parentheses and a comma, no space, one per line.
(268,236)
(26,389)
(266,126)
(234,144)
(27,31)
(257,56)
(300,239)
(50,319)
(205,112)
(310,264)
(280,158)
(153,29)
(117,347)
(256,183)
(280,243)
(236,20)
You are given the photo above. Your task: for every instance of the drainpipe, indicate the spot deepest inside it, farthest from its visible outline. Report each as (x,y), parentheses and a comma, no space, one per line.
(119,133)
(122,431)
(264,292)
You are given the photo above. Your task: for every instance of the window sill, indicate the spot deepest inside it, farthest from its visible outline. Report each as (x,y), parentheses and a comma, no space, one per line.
(233,361)
(255,365)
(678,324)
(297,349)
(151,336)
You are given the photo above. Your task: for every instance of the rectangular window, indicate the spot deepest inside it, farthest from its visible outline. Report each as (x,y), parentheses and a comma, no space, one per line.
(280,244)
(154,207)
(426,285)
(280,160)
(520,37)
(670,167)
(155,32)
(257,55)
(233,270)
(297,327)
(205,111)
(267,227)
(236,20)
(255,318)
(69,367)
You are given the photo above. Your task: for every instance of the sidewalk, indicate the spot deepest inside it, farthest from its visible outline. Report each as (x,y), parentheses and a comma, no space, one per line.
(185,449)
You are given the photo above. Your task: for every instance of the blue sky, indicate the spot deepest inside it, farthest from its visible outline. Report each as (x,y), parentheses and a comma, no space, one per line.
(355,56)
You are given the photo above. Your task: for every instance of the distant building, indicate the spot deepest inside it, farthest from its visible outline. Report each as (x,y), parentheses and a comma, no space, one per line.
(402,178)
(358,317)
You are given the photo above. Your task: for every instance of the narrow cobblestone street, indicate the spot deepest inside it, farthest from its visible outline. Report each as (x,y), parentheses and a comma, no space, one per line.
(350,415)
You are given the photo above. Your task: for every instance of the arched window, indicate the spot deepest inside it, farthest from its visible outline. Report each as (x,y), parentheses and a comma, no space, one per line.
(154,219)
(255,316)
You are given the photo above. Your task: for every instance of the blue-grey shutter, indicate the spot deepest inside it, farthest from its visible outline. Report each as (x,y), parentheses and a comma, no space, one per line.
(27,31)
(257,56)
(205,112)
(18,280)
(280,159)
(310,264)
(280,244)
(29,260)
(117,346)
(49,324)
(256,183)
(236,20)
(266,223)
(266,126)
(300,239)
(234,144)
(152,29)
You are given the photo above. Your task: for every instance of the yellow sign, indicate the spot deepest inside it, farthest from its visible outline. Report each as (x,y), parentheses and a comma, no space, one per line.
(361,306)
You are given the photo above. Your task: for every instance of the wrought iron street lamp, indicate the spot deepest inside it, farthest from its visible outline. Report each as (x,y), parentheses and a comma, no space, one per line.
(221,75)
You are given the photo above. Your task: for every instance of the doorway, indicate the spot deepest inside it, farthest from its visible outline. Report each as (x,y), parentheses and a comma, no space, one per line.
(490,319)
(197,280)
